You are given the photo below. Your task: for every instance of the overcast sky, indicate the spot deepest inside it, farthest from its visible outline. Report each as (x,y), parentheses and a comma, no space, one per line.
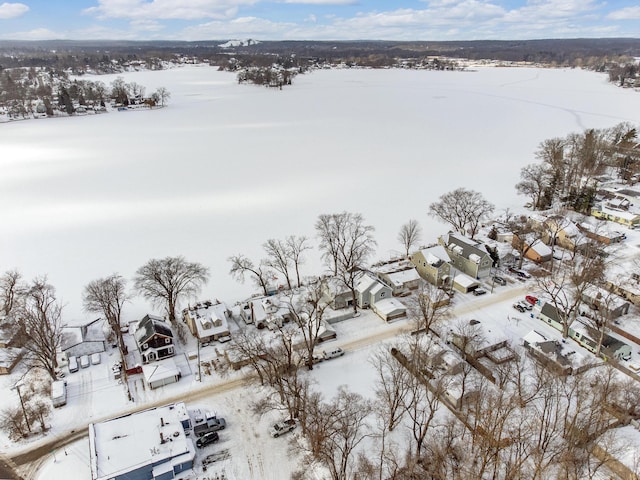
(318,19)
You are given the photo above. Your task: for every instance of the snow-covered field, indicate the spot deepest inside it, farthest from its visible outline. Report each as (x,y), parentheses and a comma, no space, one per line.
(226,166)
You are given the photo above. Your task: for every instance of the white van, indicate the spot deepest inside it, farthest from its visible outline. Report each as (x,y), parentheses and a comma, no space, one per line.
(73,364)
(335,353)
(59,393)
(84,361)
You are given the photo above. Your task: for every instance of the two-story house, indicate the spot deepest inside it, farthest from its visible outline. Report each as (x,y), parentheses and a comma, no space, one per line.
(433,264)
(154,339)
(467,255)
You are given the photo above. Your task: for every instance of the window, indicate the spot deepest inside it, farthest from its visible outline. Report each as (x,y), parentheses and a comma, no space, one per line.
(167,340)
(145,346)
(382,294)
(170,350)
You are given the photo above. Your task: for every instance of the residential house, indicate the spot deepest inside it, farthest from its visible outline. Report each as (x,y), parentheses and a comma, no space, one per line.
(609,304)
(9,358)
(433,264)
(336,293)
(558,356)
(370,289)
(151,444)
(400,274)
(84,339)
(624,217)
(154,339)
(601,235)
(207,320)
(537,251)
(467,256)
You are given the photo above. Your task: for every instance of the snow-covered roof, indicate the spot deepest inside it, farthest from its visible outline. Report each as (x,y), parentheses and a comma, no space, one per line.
(75,335)
(8,356)
(405,276)
(541,249)
(161,370)
(390,306)
(150,437)
(209,318)
(465,280)
(624,214)
(366,283)
(436,255)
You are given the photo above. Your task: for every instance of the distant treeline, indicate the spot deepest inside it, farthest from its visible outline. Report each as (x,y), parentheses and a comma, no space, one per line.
(106,56)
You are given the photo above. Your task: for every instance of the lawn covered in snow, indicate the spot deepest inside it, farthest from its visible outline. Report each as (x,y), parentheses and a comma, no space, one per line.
(226,166)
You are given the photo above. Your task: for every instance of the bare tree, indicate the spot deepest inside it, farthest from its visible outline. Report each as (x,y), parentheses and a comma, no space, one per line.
(463,209)
(11,288)
(336,429)
(165,281)
(307,312)
(431,306)
(567,283)
(410,235)
(329,228)
(392,385)
(278,258)
(163,95)
(108,296)
(241,265)
(41,319)
(535,180)
(296,247)
(347,243)
(525,235)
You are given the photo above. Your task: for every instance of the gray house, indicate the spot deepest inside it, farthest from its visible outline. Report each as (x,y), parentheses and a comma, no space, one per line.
(433,264)
(83,339)
(467,256)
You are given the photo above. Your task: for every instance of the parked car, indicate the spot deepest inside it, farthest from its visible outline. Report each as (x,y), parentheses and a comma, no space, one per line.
(499,280)
(84,361)
(479,291)
(207,439)
(95,358)
(335,353)
(209,425)
(314,359)
(519,307)
(526,305)
(531,299)
(520,273)
(283,427)
(73,364)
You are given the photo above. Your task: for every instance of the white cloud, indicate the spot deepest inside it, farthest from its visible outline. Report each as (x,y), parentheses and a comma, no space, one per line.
(36,34)
(12,10)
(167,9)
(629,13)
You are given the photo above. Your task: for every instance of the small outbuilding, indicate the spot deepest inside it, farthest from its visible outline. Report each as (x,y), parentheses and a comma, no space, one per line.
(161,373)
(464,283)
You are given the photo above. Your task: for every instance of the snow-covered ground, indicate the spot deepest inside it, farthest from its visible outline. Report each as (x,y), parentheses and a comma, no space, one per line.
(226,166)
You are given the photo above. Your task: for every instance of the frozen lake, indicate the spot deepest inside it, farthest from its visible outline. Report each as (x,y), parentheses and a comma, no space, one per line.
(226,166)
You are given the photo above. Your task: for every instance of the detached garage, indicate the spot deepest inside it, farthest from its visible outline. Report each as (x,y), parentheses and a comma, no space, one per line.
(161,373)
(464,283)
(389,309)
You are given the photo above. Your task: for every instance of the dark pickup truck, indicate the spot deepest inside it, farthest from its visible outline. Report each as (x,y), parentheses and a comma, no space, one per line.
(212,424)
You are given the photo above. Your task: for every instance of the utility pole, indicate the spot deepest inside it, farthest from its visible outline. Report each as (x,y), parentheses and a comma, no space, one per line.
(17,389)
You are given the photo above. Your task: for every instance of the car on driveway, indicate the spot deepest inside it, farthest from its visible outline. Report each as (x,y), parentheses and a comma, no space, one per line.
(531,299)
(520,273)
(283,427)
(499,280)
(207,439)
(479,291)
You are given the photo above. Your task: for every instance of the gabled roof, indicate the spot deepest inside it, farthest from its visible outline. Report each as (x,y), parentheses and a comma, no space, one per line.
(436,255)
(549,310)
(151,325)
(465,246)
